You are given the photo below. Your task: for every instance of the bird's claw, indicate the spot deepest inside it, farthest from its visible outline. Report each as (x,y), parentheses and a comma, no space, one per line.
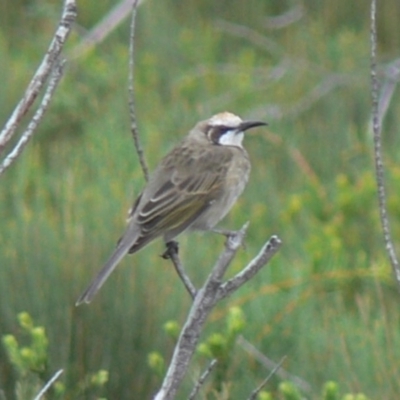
(172,249)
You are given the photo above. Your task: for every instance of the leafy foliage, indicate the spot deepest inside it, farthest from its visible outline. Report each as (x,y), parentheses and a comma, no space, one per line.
(31,364)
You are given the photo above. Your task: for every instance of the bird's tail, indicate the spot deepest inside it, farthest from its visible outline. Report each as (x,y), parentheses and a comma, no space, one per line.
(122,249)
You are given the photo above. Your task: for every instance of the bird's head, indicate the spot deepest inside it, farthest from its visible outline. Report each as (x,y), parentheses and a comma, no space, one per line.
(224,129)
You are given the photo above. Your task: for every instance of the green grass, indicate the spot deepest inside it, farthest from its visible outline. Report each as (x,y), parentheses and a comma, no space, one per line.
(327,300)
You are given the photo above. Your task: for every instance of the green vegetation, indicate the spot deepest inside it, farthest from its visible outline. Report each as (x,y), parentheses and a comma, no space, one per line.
(327,301)
(30,363)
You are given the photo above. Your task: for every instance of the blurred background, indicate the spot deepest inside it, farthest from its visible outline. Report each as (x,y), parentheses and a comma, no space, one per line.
(327,300)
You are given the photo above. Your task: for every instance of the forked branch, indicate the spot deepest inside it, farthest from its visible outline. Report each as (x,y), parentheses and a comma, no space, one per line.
(206,298)
(131,90)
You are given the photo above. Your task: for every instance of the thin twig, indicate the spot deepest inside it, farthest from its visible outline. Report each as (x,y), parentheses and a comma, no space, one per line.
(48,384)
(270,364)
(255,392)
(42,73)
(131,89)
(379,168)
(201,380)
(255,38)
(37,117)
(266,253)
(103,28)
(172,254)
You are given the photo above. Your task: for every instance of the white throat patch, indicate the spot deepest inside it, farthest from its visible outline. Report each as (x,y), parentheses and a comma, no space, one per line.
(231,138)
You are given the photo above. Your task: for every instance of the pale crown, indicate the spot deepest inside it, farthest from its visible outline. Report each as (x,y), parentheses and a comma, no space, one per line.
(224,129)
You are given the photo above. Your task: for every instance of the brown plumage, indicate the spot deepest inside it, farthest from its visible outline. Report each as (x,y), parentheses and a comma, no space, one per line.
(193,187)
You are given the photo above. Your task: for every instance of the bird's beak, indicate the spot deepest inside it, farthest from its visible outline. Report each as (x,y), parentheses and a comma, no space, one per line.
(250,124)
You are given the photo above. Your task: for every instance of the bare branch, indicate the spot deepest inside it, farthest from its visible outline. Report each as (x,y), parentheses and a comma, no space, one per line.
(328,83)
(234,242)
(379,168)
(252,36)
(131,89)
(271,365)
(266,253)
(172,254)
(201,307)
(255,393)
(106,26)
(64,27)
(202,379)
(48,384)
(205,300)
(33,124)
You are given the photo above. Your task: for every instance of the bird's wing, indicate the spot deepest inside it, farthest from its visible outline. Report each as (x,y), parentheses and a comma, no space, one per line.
(181,189)
(184,191)
(177,201)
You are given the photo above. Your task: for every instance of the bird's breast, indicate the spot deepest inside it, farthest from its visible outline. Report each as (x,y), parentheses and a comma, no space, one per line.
(236,178)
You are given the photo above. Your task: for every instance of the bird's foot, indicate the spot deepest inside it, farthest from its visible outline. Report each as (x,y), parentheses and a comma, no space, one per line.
(172,249)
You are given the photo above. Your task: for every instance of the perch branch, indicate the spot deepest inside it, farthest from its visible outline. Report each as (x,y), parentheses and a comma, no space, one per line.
(172,254)
(379,168)
(42,73)
(201,307)
(205,300)
(266,253)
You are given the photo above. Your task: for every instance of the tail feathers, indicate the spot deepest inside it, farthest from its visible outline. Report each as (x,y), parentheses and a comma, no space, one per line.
(119,253)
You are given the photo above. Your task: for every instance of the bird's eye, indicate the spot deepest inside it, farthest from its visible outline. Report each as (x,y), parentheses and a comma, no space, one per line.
(223,130)
(216,132)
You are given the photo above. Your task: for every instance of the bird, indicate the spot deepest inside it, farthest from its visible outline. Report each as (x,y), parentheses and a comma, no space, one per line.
(193,188)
